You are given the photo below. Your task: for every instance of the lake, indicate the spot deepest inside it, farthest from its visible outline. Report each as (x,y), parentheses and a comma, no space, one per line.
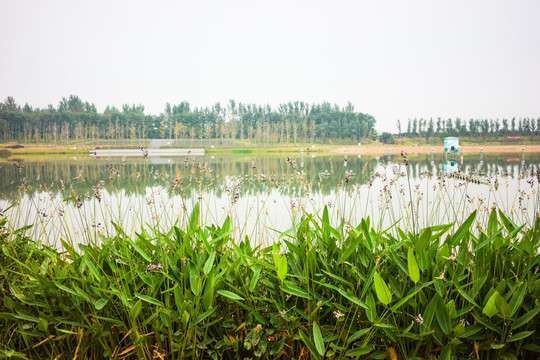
(78,197)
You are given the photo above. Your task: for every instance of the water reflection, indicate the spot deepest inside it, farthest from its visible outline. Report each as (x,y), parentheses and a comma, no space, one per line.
(260,192)
(450,167)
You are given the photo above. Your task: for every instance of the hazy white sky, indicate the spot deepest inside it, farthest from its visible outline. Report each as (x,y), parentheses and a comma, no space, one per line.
(392,59)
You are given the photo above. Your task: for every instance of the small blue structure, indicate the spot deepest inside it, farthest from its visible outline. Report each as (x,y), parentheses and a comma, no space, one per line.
(451,144)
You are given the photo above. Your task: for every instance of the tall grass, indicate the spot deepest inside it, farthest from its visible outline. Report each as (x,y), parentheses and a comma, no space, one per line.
(323,291)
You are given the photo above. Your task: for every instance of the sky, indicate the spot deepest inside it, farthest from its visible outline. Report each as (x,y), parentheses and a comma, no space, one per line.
(391,59)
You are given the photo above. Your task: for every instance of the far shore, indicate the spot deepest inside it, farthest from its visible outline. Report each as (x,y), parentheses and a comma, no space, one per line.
(426,149)
(326,149)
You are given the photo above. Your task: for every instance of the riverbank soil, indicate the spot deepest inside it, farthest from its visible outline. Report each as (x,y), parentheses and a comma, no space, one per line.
(426,149)
(367,149)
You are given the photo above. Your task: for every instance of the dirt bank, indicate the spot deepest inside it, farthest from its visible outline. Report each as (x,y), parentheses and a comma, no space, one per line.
(426,149)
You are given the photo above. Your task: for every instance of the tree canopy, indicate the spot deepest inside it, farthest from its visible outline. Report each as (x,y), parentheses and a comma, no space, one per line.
(290,123)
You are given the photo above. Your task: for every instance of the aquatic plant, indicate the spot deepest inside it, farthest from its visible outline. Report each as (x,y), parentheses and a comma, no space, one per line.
(322,291)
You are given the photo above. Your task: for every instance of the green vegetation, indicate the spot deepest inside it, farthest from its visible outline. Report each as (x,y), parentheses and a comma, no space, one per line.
(475,130)
(75,122)
(323,292)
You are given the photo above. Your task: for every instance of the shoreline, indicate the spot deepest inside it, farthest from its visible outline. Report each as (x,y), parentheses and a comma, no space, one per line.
(326,149)
(426,149)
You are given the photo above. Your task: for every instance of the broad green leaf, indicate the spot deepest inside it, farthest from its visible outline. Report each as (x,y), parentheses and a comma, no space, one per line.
(275,255)
(92,268)
(517,298)
(43,324)
(178,296)
(282,269)
(372,309)
(411,293)
(353,298)
(208,294)
(463,229)
(381,289)
(526,245)
(358,351)
(522,320)
(100,304)
(209,263)
(230,295)
(150,299)
(377,355)
(443,318)
(165,320)
(347,284)
(317,337)
(383,325)
(184,320)
(135,310)
(350,249)
(502,306)
(66,289)
(255,278)
(276,348)
(493,224)
(519,336)
(491,308)
(471,330)
(508,355)
(309,344)
(358,334)
(444,252)
(414,272)
(532,347)
(140,251)
(488,324)
(398,261)
(202,316)
(508,224)
(467,297)
(424,240)
(325,217)
(292,289)
(446,353)
(429,312)
(194,219)
(195,281)
(26,317)
(82,293)
(226,224)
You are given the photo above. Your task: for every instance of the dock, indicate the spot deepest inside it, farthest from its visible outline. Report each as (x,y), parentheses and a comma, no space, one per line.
(146,152)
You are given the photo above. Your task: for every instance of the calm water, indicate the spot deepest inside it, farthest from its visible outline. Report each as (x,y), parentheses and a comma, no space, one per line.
(77,198)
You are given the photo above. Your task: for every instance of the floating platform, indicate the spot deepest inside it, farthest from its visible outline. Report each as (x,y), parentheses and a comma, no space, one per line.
(146,152)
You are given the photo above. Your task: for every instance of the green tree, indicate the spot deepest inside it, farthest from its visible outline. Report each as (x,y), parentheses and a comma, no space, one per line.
(429,131)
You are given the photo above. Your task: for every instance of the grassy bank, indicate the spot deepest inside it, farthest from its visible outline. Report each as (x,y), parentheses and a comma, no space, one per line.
(211,146)
(469,140)
(335,292)
(243,147)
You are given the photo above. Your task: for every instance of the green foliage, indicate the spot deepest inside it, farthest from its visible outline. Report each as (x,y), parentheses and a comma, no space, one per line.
(198,293)
(76,120)
(386,138)
(473,128)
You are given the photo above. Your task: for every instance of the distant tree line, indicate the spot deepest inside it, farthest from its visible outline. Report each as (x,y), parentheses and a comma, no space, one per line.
(75,120)
(484,128)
